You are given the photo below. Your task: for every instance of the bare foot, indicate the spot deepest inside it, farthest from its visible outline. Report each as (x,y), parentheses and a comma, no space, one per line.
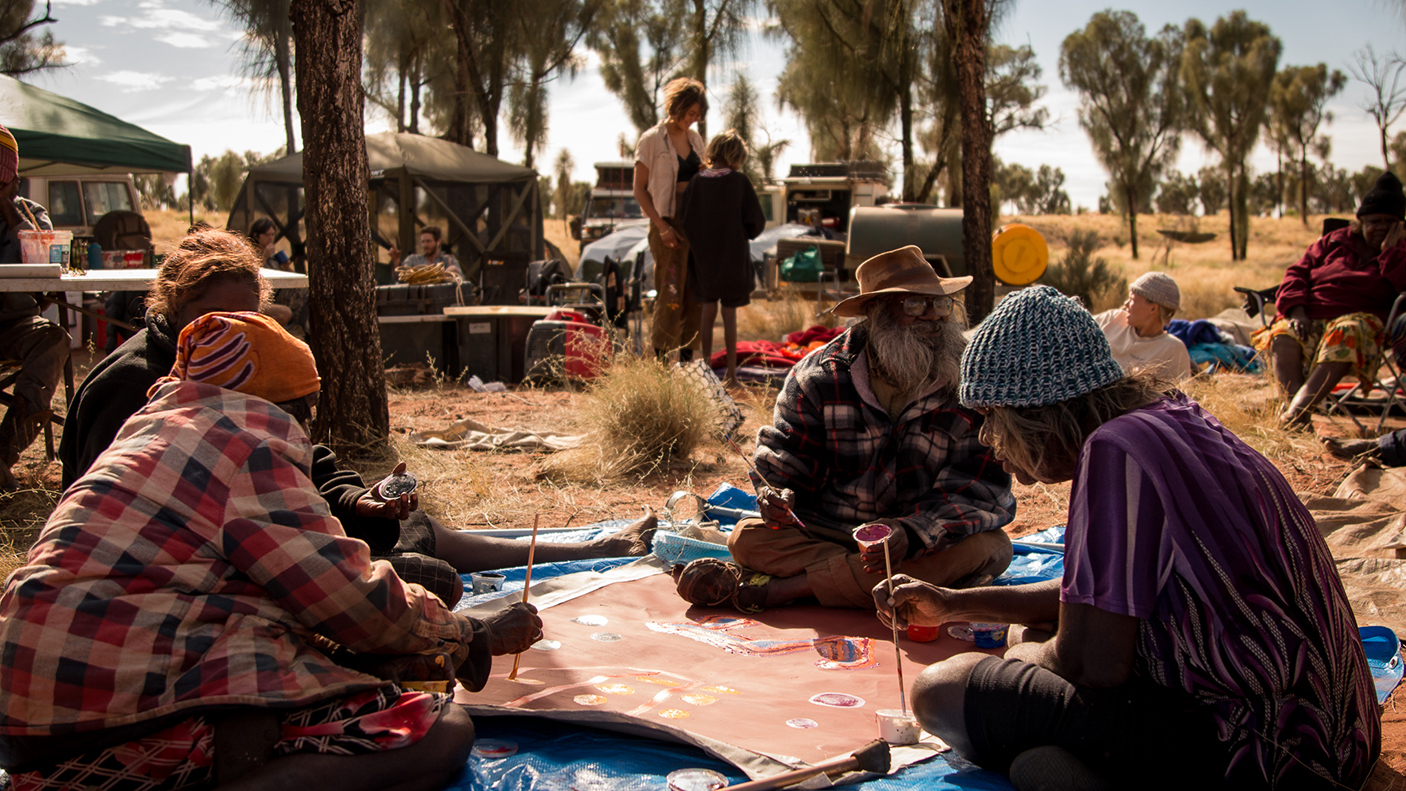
(1350,449)
(634,540)
(8,481)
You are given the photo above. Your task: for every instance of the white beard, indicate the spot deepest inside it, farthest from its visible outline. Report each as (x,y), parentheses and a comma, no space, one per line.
(917,357)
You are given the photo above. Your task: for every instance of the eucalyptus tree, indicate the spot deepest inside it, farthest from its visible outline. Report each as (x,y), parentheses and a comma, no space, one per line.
(1385,78)
(639,43)
(1131,102)
(24,49)
(407,55)
(267,52)
(1227,70)
(550,31)
(1298,100)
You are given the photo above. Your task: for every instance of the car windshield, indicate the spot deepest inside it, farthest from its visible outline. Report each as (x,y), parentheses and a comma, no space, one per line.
(619,208)
(101,197)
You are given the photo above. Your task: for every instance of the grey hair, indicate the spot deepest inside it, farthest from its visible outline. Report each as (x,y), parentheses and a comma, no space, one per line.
(1046,440)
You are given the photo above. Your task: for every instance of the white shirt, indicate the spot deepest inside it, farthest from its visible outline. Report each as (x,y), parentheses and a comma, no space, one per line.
(1164,354)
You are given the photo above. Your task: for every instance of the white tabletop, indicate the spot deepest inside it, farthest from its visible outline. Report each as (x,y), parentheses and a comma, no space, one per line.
(488,311)
(123,280)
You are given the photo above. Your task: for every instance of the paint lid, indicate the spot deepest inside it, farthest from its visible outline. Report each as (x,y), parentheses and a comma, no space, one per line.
(494,748)
(696,780)
(1018,255)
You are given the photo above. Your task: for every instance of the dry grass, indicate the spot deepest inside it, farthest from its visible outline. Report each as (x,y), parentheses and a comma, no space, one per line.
(1204,272)
(640,418)
(773,318)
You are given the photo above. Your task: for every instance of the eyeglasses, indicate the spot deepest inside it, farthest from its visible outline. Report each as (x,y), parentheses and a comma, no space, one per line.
(917,306)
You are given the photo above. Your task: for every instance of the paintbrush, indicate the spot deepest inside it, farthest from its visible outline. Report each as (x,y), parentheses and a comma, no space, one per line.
(526,584)
(864,535)
(765,485)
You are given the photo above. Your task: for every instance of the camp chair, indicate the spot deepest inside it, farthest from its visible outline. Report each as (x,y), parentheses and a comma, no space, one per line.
(9,374)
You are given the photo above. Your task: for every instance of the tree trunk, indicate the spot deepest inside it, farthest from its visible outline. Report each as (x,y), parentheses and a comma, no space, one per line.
(460,122)
(1132,217)
(352,413)
(1303,185)
(905,121)
(1279,170)
(700,18)
(968,25)
(283,54)
(415,84)
(1230,208)
(400,97)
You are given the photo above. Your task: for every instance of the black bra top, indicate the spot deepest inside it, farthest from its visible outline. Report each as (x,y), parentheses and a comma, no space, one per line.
(688,168)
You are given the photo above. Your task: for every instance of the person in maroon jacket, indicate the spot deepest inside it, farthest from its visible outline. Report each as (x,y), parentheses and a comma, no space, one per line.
(1333,303)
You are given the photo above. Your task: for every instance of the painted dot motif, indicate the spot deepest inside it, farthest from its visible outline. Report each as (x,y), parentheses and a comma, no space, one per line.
(803,723)
(700,700)
(606,637)
(616,689)
(591,620)
(673,714)
(590,700)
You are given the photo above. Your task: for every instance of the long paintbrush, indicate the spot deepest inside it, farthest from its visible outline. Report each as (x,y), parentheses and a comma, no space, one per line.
(526,585)
(756,472)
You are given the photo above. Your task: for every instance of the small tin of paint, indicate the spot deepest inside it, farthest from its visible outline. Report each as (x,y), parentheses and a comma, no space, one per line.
(989,635)
(492,749)
(898,727)
(696,780)
(486,582)
(923,634)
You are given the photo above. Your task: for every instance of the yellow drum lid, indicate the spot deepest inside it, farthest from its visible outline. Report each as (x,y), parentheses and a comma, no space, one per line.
(1019,255)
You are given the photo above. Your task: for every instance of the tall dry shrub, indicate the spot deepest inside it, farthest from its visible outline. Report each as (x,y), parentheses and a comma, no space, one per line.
(1081,275)
(640,418)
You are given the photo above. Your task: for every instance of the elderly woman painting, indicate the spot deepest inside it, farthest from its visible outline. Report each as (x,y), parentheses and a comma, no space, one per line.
(1333,302)
(1202,637)
(667,157)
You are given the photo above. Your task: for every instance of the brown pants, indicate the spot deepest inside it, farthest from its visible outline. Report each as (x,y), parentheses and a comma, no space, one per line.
(42,348)
(834,571)
(676,316)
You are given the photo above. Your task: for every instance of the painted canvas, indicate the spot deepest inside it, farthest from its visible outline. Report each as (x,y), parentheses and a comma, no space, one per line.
(800,684)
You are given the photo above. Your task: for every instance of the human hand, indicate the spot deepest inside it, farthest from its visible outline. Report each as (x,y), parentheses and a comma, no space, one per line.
(1394,236)
(374,504)
(872,556)
(775,507)
(670,237)
(513,630)
(394,253)
(1298,323)
(912,601)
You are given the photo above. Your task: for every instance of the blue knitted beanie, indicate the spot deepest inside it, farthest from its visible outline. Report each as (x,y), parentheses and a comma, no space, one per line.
(1038,347)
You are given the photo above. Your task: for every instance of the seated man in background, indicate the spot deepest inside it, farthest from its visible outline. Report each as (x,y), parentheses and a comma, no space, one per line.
(1137,332)
(214,270)
(40,345)
(867,430)
(192,614)
(430,253)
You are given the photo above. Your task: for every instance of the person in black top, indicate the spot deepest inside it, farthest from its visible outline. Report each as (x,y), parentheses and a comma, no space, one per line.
(720,213)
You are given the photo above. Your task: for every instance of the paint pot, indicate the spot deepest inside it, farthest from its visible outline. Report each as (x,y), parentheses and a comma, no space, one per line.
(486,582)
(896,727)
(868,535)
(989,635)
(492,749)
(696,780)
(923,634)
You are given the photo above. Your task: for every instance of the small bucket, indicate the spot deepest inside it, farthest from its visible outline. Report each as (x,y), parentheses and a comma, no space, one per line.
(46,247)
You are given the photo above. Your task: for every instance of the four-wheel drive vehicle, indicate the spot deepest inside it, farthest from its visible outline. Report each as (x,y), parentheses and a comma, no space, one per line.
(76,202)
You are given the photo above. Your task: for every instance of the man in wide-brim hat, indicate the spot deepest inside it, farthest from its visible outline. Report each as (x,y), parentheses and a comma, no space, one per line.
(868,431)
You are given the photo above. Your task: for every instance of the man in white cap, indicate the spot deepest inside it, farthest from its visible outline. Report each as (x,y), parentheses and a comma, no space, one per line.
(1137,332)
(40,345)
(868,431)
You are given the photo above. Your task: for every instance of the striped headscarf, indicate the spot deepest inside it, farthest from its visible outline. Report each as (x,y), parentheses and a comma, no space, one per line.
(9,156)
(247,352)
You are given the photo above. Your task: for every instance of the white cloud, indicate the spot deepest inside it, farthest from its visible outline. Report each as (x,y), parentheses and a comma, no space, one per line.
(155,16)
(184,40)
(80,55)
(135,80)
(220,83)
(76,2)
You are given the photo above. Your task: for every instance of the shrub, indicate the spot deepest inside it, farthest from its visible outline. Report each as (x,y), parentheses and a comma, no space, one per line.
(1081,275)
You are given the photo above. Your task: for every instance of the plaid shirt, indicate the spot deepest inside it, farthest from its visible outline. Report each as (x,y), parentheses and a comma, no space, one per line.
(191,567)
(850,463)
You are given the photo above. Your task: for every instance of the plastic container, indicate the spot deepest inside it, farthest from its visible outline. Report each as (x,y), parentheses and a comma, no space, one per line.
(95,256)
(46,247)
(898,727)
(112,259)
(133,259)
(923,634)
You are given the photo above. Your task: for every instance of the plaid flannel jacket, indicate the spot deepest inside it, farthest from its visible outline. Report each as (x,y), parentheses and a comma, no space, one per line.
(192,566)
(849,463)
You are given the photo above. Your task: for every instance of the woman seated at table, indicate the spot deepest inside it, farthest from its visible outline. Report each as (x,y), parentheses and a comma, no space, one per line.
(192,614)
(1333,302)
(1202,637)
(290,305)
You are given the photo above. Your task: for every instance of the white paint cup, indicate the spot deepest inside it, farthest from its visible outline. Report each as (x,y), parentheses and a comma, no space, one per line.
(486,582)
(895,727)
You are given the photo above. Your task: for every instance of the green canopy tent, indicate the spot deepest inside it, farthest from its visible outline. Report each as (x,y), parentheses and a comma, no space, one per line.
(58,136)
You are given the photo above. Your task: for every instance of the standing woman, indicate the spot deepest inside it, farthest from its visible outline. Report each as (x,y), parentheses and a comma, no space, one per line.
(721,213)
(666,158)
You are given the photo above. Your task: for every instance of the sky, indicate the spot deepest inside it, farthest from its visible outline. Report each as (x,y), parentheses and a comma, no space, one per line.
(172,66)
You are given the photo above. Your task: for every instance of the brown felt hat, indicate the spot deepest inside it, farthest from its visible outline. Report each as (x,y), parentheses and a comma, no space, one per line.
(901,271)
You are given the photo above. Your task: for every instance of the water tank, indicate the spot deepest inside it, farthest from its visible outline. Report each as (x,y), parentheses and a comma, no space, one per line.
(878,229)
